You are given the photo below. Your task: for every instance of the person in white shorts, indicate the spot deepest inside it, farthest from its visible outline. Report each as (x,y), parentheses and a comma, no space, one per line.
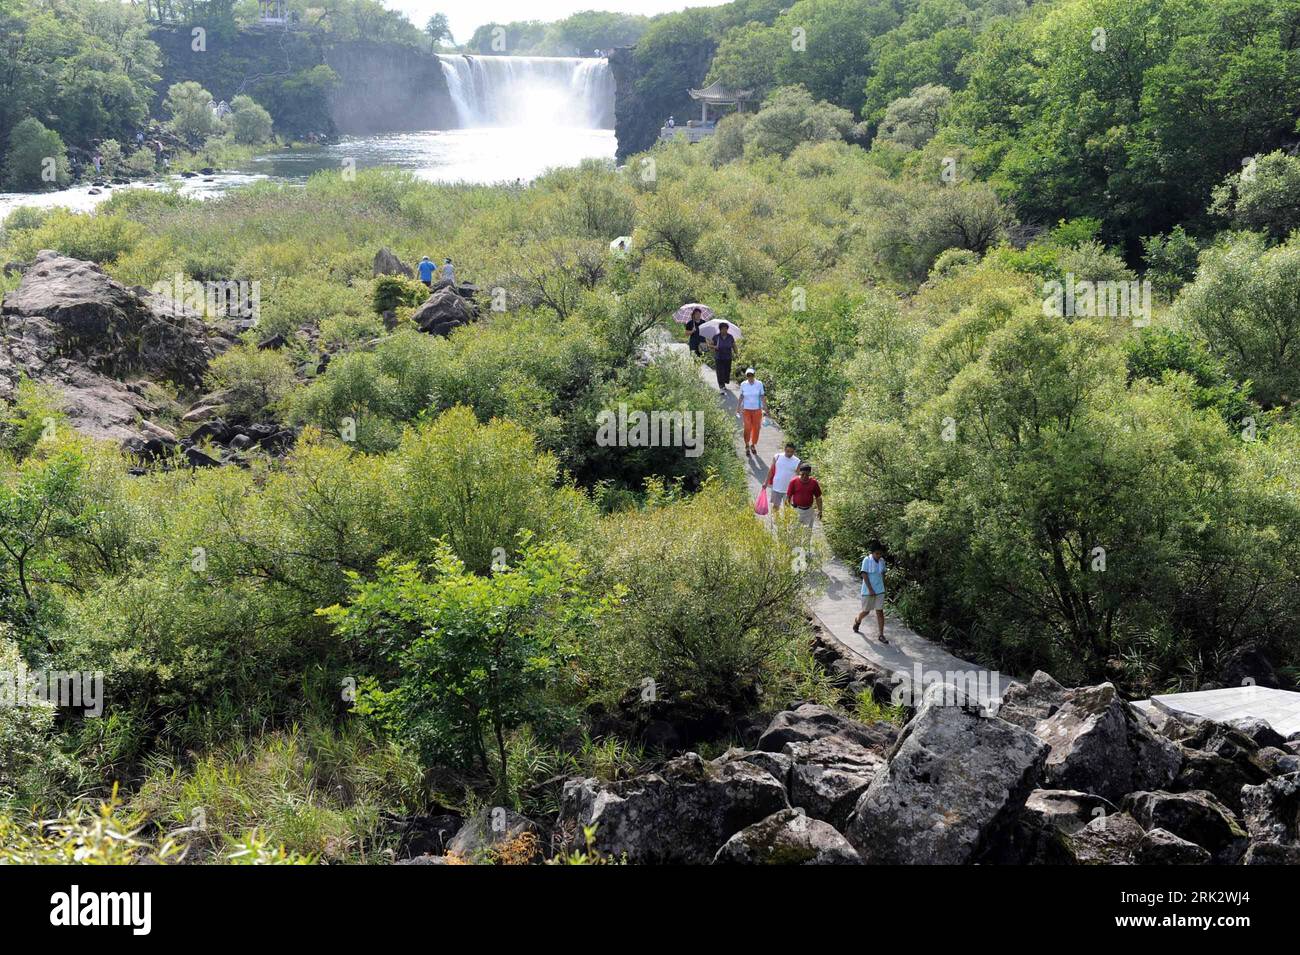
(873,589)
(783,469)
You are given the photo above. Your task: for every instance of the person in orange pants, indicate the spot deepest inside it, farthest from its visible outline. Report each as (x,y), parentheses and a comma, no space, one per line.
(753,404)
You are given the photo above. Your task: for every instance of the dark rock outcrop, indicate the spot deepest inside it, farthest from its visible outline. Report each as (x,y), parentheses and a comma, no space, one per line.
(1100,745)
(443,312)
(953,779)
(1271,811)
(1026,704)
(90,338)
(827,776)
(1066,810)
(1107,840)
(387,263)
(1195,816)
(787,837)
(680,815)
(1162,847)
(811,721)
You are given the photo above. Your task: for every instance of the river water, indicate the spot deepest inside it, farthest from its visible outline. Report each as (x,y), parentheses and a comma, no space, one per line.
(519,116)
(480,155)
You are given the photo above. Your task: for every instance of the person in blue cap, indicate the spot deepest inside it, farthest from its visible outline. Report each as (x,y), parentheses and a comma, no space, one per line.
(427,270)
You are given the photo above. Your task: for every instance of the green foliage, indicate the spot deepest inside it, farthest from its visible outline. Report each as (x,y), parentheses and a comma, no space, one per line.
(84,69)
(192,118)
(1137,124)
(36,159)
(469,655)
(309,792)
(1241,303)
(249,123)
(1157,352)
(256,381)
(1171,260)
(394,291)
(1264,196)
(867,710)
(914,119)
(1049,515)
(791,116)
(709,598)
(99,237)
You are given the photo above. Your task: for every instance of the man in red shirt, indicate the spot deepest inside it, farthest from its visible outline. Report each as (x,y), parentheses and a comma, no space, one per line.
(804,492)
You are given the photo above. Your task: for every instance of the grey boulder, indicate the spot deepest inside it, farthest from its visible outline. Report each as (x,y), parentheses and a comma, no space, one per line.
(954,778)
(680,815)
(1101,745)
(787,837)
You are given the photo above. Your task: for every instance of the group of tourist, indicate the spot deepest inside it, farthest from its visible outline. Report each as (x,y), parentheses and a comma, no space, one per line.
(789,479)
(428,271)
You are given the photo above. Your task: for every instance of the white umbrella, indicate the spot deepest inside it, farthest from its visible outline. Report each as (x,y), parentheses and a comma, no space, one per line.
(710,328)
(621,244)
(683,314)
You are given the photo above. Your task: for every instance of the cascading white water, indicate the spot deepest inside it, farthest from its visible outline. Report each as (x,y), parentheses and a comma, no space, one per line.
(530,90)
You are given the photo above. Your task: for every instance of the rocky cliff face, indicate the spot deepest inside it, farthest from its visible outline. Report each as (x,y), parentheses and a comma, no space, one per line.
(383,87)
(387,88)
(648,89)
(99,344)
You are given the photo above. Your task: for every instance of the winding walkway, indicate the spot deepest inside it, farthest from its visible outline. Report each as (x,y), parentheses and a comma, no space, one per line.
(834,589)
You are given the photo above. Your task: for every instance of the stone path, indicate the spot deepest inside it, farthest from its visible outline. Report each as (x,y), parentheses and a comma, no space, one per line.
(1280,708)
(835,587)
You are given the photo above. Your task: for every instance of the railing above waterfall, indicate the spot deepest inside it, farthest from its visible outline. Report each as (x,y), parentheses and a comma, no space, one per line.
(693,131)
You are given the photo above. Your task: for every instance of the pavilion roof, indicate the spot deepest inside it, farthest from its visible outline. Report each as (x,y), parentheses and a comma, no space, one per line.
(715,92)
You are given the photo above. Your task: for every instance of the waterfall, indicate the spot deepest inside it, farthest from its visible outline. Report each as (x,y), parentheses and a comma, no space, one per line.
(530,90)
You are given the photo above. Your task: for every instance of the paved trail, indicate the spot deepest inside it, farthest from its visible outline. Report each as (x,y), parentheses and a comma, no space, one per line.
(834,589)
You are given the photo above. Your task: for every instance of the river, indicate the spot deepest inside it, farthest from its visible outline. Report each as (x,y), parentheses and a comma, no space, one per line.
(518,117)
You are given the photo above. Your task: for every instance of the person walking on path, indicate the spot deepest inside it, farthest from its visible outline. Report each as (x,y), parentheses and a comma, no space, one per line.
(724,349)
(873,589)
(784,467)
(426,268)
(753,405)
(448,271)
(803,494)
(693,326)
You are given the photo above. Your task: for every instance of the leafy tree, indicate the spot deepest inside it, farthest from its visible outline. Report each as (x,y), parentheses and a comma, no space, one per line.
(1243,304)
(1171,260)
(37,158)
(191,112)
(1264,196)
(465,655)
(790,117)
(913,120)
(256,381)
(249,123)
(437,30)
(710,597)
(747,58)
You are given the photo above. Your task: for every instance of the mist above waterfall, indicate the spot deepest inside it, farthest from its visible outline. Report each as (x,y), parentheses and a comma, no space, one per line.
(530,91)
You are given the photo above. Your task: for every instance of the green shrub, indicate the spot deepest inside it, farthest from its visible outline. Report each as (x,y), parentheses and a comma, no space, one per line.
(36,158)
(708,598)
(468,656)
(394,291)
(256,380)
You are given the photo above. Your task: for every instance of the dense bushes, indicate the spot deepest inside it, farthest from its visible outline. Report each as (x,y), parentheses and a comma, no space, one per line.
(708,599)
(1050,515)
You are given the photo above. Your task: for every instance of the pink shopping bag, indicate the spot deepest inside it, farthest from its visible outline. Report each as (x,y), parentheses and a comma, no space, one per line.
(760,505)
